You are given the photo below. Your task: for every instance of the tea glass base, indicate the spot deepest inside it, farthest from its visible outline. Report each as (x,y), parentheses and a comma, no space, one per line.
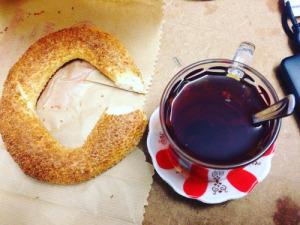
(206,185)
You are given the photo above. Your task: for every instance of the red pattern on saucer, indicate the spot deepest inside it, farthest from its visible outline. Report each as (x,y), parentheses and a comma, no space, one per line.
(165,159)
(193,186)
(194,183)
(242,180)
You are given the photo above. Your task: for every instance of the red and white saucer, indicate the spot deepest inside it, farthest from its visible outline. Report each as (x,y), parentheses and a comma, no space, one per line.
(206,185)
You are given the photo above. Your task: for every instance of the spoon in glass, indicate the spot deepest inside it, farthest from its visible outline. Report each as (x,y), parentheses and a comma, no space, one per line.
(282,108)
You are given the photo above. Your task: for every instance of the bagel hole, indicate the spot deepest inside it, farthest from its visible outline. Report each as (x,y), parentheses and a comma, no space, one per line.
(70,106)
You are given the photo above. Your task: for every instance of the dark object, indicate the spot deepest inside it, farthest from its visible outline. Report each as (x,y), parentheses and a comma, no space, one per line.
(290,75)
(290,66)
(294,31)
(210,118)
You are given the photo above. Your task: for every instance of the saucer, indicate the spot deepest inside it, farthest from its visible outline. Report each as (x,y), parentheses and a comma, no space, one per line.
(206,185)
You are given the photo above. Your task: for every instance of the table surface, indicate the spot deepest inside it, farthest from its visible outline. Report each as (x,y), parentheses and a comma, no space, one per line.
(197,30)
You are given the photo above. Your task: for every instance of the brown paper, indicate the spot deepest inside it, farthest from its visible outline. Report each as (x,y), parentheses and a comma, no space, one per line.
(117,196)
(214,29)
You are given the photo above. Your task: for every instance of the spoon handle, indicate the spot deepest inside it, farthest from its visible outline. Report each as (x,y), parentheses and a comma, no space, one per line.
(282,108)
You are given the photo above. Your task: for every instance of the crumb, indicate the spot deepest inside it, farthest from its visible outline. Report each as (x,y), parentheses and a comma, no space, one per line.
(36,197)
(57,106)
(6,29)
(39,13)
(58,11)
(177,61)
(43,119)
(61,121)
(102,96)
(111,196)
(72,8)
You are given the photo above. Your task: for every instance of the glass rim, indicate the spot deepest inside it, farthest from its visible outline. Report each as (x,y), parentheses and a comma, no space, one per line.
(184,155)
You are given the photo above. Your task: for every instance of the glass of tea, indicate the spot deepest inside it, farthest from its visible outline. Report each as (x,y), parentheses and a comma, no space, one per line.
(206,112)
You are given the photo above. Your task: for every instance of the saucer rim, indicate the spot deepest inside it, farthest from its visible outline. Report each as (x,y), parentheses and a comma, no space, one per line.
(179,191)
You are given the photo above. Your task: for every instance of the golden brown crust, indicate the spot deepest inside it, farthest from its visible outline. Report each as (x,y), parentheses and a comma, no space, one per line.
(29,142)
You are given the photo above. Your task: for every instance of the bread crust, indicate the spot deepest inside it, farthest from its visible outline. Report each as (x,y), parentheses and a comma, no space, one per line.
(30,144)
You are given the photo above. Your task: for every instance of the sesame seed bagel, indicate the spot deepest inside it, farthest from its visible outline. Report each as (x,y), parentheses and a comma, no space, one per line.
(31,145)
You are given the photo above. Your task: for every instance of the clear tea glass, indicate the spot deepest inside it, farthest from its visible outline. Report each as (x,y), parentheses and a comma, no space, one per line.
(231,69)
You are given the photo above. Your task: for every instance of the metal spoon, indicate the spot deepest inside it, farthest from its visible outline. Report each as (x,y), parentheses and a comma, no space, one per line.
(282,108)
